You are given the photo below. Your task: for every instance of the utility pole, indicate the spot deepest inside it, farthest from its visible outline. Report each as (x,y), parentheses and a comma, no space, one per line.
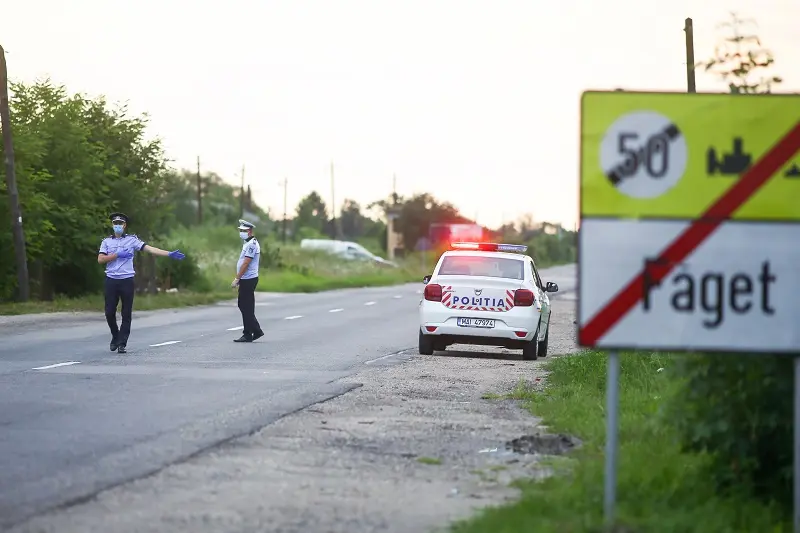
(241,194)
(285,189)
(199,194)
(394,189)
(690,81)
(23,287)
(336,226)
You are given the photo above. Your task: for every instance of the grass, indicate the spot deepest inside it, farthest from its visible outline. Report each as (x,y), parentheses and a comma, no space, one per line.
(216,250)
(429,460)
(660,489)
(94,303)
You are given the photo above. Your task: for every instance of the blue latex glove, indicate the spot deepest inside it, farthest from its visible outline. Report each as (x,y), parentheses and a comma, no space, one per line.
(124,254)
(176,254)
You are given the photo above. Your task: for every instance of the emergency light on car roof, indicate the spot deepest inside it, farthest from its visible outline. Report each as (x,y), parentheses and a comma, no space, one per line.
(489,247)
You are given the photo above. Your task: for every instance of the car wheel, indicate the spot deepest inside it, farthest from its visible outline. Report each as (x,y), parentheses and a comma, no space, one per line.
(439,346)
(425,344)
(531,347)
(541,351)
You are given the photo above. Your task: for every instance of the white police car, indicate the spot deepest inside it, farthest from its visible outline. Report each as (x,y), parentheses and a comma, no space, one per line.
(485,294)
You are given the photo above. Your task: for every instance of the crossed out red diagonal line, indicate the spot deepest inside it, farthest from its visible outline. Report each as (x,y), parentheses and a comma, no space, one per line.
(688,241)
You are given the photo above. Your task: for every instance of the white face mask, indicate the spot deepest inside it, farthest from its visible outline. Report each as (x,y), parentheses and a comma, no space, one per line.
(243,235)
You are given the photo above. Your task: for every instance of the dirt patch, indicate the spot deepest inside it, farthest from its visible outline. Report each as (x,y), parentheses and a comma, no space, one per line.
(544,444)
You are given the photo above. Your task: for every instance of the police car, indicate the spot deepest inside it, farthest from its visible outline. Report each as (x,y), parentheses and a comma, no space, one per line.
(485,294)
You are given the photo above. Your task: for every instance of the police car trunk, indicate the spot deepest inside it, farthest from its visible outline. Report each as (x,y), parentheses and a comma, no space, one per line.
(479,297)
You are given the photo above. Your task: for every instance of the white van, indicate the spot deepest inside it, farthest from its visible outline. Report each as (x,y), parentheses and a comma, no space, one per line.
(344,249)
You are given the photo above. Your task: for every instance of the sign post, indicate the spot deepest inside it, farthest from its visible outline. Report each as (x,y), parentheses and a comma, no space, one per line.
(612,432)
(689,224)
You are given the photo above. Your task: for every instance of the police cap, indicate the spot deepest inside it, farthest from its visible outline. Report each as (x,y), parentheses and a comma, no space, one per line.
(118,217)
(245,225)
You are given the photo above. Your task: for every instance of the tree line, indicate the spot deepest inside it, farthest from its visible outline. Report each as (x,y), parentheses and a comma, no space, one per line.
(77,159)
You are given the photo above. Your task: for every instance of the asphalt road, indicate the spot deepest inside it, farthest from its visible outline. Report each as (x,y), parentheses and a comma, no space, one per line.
(77,419)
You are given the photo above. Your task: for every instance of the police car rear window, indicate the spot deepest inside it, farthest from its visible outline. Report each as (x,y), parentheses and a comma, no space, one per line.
(493,267)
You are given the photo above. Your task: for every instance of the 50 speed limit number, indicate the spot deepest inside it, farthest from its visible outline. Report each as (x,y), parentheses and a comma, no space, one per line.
(643,154)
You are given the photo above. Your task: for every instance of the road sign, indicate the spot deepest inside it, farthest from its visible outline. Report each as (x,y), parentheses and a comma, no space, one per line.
(690,218)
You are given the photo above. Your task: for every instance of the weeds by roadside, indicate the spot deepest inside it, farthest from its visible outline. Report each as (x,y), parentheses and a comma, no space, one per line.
(660,488)
(94,303)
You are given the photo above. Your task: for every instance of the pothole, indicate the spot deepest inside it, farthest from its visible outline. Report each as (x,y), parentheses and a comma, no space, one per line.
(545,444)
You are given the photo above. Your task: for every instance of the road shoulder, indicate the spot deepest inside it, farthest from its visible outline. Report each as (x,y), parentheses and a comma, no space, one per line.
(417,446)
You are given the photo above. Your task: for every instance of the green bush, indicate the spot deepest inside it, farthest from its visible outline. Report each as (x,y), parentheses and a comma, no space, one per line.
(179,274)
(738,408)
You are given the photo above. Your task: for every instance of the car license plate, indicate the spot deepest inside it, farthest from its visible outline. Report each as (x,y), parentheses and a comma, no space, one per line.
(475,322)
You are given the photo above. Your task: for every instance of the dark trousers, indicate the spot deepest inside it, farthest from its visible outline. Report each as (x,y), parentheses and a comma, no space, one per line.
(116,290)
(247,305)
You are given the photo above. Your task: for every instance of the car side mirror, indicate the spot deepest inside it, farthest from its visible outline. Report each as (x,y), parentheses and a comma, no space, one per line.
(426,279)
(551,287)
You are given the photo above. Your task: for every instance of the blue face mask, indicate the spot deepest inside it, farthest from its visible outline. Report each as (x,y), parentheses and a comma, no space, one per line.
(118,229)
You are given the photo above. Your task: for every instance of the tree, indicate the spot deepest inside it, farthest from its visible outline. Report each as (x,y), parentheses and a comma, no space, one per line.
(741,61)
(76,161)
(312,213)
(417,214)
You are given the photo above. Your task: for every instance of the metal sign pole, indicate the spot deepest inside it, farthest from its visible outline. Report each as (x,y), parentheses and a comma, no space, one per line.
(612,423)
(797,444)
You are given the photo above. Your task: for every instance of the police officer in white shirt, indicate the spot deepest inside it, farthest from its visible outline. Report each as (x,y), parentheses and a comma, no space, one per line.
(116,253)
(247,280)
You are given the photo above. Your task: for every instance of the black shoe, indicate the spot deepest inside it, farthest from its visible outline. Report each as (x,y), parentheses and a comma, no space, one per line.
(113,346)
(121,349)
(244,338)
(258,334)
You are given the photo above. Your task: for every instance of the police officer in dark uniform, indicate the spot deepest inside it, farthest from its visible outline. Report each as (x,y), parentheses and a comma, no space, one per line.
(116,253)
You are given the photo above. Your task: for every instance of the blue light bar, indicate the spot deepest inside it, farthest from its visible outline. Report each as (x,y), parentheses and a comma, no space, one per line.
(489,247)
(521,248)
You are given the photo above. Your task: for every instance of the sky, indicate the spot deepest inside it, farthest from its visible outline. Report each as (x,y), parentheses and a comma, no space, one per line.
(475,102)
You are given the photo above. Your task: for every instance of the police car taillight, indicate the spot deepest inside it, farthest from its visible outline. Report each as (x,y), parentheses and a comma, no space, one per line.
(433,292)
(489,247)
(523,298)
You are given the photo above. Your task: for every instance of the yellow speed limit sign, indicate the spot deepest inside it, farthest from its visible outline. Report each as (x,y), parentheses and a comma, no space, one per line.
(671,155)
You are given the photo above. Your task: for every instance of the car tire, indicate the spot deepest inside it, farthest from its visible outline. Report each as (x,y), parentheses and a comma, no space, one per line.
(529,351)
(541,351)
(439,346)
(425,344)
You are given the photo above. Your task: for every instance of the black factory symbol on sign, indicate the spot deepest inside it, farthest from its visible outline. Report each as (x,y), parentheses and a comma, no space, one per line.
(735,162)
(643,154)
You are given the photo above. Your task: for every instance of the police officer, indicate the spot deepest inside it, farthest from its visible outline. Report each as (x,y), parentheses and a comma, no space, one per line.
(247,280)
(116,253)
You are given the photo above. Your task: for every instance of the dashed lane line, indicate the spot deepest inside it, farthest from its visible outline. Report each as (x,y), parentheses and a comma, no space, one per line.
(294,317)
(236,328)
(164,344)
(68,363)
(369,303)
(338,310)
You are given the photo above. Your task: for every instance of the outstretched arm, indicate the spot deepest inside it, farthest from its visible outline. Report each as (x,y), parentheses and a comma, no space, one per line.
(155,251)
(175,254)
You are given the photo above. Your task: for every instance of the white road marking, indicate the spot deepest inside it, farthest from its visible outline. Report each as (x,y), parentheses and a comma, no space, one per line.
(382,358)
(164,343)
(237,327)
(293,317)
(369,303)
(339,310)
(397,296)
(68,363)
